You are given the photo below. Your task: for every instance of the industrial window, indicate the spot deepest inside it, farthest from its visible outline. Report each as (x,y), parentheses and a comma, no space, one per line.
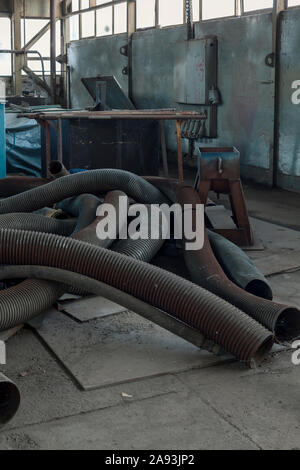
(145,13)
(32,27)
(75,5)
(74,28)
(104,21)
(5,43)
(293,3)
(84,4)
(88,24)
(170,12)
(120,18)
(196,10)
(216,9)
(111,19)
(253,5)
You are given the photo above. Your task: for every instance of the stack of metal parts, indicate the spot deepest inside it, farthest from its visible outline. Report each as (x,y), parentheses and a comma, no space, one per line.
(217,312)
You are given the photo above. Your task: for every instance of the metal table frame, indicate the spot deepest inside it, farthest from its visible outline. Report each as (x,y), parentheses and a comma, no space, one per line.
(45,119)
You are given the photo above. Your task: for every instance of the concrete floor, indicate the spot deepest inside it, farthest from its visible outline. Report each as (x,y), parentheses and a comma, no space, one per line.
(217,407)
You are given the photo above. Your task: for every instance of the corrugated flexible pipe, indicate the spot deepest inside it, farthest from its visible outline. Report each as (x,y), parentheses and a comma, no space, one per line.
(205,270)
(119,201)
(140,249)
(216,319)
(38,223)
(282,320)
(20,303)
(93,181)
(78,281)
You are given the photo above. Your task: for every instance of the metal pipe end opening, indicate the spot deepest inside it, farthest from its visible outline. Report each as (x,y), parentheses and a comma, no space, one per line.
(9,399)
(262,352)
(287,327)
(260,288)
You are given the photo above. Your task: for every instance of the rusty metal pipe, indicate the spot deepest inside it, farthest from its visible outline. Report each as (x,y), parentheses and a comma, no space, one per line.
(57,169)
(12,185)
(9,399)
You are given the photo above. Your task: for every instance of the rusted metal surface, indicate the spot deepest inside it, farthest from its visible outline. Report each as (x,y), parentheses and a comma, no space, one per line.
(179,151)
(220,172)
(12,185)
(120,114)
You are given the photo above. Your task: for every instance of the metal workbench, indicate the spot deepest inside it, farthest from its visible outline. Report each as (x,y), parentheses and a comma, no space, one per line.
(45,119)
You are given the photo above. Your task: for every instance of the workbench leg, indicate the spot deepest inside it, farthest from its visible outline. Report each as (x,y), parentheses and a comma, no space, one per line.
(179,151)
(48,148)
(164,149)
(59,141)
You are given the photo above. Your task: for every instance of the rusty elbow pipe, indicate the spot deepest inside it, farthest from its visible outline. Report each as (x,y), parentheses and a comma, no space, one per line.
(9,399)
(57,169)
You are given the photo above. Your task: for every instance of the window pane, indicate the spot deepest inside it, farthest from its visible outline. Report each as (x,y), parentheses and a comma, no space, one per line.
(43,44)
(196,10)
(104,21)
(32,27)
(85,4)
(5,43)
(120,18)
(36,66)
(101,2)
(293,3)
(75,5)
(5,64)
(252,5)
(88,24)
(217,9)
(170,12)
(74,27)
(145,13)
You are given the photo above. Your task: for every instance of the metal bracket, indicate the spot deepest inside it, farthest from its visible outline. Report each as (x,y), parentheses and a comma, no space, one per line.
(270,60)
(124,50)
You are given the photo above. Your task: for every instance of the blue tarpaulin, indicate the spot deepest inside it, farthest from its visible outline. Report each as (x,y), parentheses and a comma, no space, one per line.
(23,145)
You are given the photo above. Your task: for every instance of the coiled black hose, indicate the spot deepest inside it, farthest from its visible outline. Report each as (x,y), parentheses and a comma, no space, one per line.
(217,320)
(93,181)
